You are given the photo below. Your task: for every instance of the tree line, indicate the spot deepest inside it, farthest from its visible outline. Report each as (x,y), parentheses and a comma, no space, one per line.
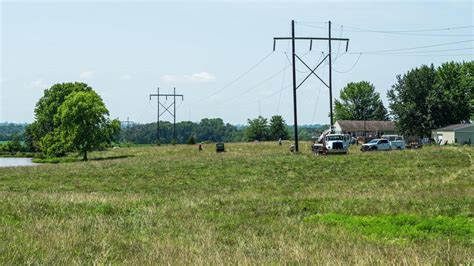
(214,130)
(8,131)
(208,129)
(422,99)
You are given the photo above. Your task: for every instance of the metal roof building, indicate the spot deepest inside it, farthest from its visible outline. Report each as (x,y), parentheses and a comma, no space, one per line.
(458,133)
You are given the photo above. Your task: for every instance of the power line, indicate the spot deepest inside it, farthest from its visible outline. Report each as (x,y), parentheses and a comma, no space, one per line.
(402,32)
(339,47)
(261,82)
(414,34)
(237,79)
(281,90)
(404,54)
(299,71)
(278,91)
(284,88)
(282,82)
(410,32)
(317,98)
(258,84)
(435,29)
(349,69)
(275,92)
(264,81)
(412,48)
(436,51)
(179,105)
(230,99)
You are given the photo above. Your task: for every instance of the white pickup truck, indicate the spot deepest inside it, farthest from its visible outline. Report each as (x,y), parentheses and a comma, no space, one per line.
(396,142)
(376,145)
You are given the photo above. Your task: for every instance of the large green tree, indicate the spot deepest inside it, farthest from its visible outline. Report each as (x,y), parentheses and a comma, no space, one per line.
(449,102)
(257,129)
(467,81)
(43,133)
(68,118)
(84,122)
(278,128)
(408,100)
(359,101)
(426,98)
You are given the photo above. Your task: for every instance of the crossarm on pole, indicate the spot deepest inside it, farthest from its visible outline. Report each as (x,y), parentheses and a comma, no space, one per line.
(311,40)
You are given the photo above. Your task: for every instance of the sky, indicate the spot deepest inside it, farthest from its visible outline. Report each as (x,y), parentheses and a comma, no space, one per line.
(218,54)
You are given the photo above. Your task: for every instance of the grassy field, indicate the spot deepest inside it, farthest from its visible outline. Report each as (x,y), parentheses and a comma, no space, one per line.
(256,203)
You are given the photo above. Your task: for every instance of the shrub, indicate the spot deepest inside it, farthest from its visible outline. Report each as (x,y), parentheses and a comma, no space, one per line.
(191,140)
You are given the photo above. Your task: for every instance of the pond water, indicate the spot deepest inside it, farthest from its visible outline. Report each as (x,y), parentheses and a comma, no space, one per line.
(11,162)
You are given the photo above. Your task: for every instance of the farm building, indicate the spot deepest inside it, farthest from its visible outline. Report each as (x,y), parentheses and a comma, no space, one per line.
(370,128)
(458,133)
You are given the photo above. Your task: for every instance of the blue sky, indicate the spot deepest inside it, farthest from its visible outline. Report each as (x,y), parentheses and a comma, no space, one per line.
(125,50)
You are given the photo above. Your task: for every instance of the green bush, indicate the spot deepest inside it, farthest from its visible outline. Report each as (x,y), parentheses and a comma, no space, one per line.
(191,140)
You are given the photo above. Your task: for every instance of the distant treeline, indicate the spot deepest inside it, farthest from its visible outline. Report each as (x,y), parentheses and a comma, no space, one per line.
(208,129)
(9,130)
(213,129)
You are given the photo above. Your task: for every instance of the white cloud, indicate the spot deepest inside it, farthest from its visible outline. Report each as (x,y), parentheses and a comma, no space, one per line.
(126,77)
(86,74)
(193,78)
(37,84)
(202,77)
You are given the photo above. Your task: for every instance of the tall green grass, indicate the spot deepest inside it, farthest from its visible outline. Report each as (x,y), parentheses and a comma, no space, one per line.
(255,203)
(402,226)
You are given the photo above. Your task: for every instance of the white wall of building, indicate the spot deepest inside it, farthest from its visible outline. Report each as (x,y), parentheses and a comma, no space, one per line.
(444,136)
(460,136)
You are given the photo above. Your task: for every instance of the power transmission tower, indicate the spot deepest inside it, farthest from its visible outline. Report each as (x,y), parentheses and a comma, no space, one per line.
(167,109)
(127,128)
(312,71)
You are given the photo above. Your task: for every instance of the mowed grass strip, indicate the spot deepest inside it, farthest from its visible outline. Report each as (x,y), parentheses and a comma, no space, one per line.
(256,203)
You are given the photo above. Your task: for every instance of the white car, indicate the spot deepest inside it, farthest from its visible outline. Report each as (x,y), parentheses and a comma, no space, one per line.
(376,145)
